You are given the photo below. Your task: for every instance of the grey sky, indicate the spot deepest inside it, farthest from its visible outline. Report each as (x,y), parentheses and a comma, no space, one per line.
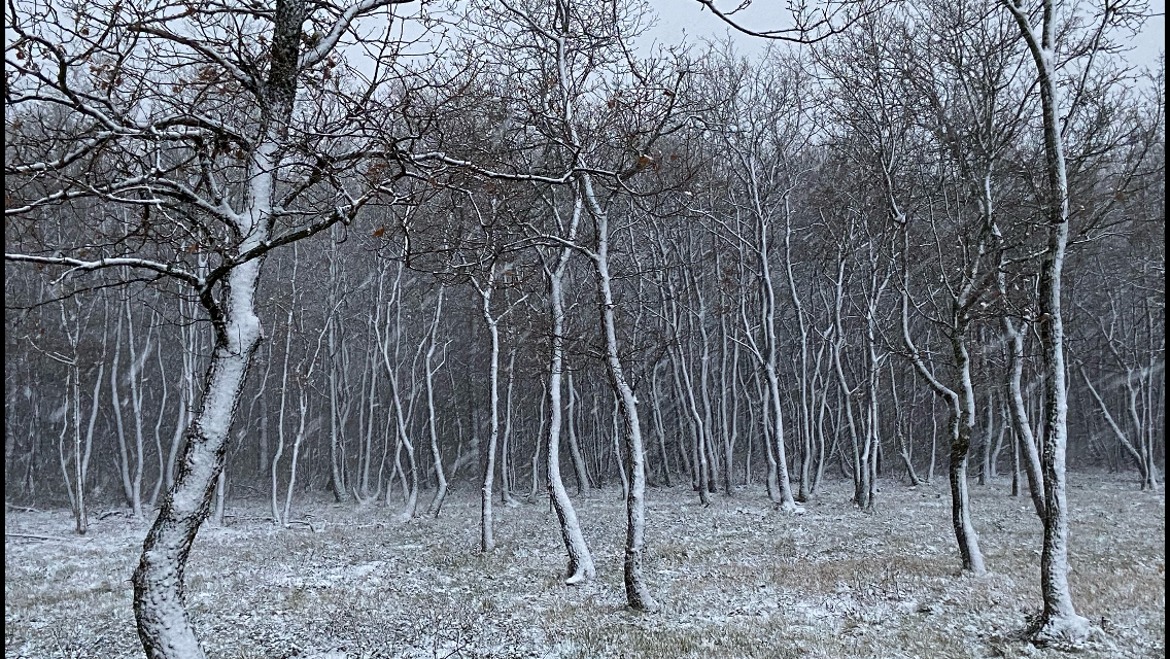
(687,19)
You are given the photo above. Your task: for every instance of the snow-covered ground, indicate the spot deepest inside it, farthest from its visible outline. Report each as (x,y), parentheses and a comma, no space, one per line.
(738,579)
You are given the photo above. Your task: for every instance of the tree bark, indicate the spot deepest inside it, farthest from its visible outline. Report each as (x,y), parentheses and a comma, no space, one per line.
(580,561)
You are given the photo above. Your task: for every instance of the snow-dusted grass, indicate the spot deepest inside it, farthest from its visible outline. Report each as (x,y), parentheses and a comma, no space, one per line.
(738,579)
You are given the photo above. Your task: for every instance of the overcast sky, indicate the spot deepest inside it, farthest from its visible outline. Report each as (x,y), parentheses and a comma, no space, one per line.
(679,19)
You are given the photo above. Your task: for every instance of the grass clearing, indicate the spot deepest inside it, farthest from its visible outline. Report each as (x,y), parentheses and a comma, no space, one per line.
(736,580)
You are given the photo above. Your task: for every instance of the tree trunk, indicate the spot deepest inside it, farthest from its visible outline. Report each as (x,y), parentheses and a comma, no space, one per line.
(1059,620)
(163,624)
(487,540)
(431,368)
(1019,414)
(637,593)
(580,561)
(580,471)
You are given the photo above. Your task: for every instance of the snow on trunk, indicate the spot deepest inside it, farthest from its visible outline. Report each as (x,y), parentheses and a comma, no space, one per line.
(633,464)
(1059,622)
(436,504)
(163,624)
(768,322)
(487,540)
(963,426)
(580,565)
(1019,415)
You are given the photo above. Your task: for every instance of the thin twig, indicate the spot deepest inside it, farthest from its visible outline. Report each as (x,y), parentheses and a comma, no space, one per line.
(30,536)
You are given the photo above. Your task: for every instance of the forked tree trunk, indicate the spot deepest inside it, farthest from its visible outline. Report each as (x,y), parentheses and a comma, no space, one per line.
(768,362)
(399,419)
(1059,621)
(960,424)
(1140,457)
(698,449)
(963,425)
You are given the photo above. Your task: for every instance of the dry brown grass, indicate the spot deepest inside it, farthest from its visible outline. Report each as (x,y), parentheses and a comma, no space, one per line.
(738,579)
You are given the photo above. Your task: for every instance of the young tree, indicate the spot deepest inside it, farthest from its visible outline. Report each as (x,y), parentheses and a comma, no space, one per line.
(580,566)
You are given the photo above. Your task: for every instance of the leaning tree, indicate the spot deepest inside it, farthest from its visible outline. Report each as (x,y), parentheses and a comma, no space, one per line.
(228,131)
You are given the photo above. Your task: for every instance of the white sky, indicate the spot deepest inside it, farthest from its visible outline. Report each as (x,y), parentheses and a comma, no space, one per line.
(687,19)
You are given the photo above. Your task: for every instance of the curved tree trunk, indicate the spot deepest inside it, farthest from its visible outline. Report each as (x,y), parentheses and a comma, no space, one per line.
(580,566)
(163,624)
(1059,621)
(638,595)
(962,426)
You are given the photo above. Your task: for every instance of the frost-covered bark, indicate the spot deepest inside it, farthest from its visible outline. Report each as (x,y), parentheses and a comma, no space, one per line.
(432,368)
(163,624)
(580,470)
(962,426)
(638,595)
(580,566)
(1059,622)
(684,382)
(959,425)
(1142,455)
(338,412)
(487,541)
(767,353)
(391,361)
(1018,413)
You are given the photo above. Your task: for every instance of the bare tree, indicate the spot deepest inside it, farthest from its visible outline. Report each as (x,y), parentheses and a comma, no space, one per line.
(145,89)
(1041,30)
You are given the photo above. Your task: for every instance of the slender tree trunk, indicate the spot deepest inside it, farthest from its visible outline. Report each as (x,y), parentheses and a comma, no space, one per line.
(659,424)
(432,425)
(960,425)
(487,540)
(963,425)
(638,595)
(580,471)
(137,364)
(1019,414)
(119,421)
(506,485)
(337,471)
(698,449)
(1140,457)
(580,561)
(220,497)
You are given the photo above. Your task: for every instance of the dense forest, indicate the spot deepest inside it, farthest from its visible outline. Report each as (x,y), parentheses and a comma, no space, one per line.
(384,252)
